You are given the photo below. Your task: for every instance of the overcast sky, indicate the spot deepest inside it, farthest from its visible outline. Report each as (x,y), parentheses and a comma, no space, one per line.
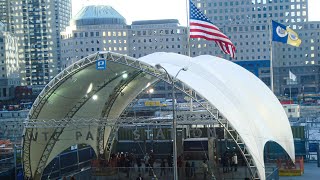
(134,10)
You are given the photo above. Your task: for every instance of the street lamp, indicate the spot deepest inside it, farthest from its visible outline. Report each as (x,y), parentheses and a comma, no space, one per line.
(174,121)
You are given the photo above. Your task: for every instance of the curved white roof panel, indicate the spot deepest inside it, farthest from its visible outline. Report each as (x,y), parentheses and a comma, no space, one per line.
(243,99)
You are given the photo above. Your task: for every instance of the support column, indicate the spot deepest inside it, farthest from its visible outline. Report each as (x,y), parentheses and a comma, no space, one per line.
(211,154)
(179,142)
(180,138)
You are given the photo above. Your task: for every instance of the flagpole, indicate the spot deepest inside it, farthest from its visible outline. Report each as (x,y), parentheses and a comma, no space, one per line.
(188,29)
(189,47)
(271,58)
(290,89)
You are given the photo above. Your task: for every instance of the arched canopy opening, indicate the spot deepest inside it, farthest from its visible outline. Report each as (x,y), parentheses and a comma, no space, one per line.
(74,158)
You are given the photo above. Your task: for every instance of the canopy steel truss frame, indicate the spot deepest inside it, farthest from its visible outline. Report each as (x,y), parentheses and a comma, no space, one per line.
(107,108)
(136,64)
(119,122)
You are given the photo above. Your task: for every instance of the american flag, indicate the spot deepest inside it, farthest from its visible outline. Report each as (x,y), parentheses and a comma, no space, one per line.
(202,27)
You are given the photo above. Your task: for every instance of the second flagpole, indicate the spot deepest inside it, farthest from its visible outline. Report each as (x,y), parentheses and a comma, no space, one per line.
(271,58)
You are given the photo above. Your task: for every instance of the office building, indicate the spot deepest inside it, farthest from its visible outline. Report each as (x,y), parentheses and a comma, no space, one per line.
(37,25)
(9,65)
(151,36)
(303,62)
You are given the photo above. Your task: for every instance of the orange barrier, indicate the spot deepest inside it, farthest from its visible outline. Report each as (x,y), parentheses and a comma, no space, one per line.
(100,168)
(287,168)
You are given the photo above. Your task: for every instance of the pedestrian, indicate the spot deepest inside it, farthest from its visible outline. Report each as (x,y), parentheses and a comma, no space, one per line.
(205,170)
(162,167)
(146,162)
(229,165)
(224,160)
(127,166)
(193,169)
(139,177)
(138,163)
(187,169)
(180,165)
(150,163)
(235,161)
(169,160)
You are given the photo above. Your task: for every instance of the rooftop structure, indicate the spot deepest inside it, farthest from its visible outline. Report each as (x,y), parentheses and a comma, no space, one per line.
(97,15)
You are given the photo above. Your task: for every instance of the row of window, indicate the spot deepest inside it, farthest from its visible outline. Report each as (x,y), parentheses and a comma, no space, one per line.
(295,48)
(312,55)
(124,33)
(237,3)
(156,40)
(158,32)
(84,34)
(300,63)
(95,49)
(115,41)
(157,47)
(144,54)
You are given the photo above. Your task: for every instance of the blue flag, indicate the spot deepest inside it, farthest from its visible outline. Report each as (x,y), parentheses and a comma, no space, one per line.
(284,34)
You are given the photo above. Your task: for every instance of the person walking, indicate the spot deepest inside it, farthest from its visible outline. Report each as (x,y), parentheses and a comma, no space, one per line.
(146,162)
(235,161)
(169,160)
(229,159)
(162,167)
(193,169)
(187,169)
(224,160)
(138,160)
(180,165)
(204,167)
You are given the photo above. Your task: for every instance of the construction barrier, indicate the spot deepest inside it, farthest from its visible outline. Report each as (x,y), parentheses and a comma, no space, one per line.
(287,168)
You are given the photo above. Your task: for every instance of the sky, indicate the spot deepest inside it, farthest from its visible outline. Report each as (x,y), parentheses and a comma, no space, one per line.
(134,10)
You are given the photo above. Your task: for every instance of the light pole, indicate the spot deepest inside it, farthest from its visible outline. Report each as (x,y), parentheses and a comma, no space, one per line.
(174,121)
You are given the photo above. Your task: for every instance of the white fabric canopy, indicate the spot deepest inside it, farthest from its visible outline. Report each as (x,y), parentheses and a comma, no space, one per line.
(243,99)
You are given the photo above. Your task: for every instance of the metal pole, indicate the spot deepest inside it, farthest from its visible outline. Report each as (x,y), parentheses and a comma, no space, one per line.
(271,56)
(174,121)
(15,160)
(174,133)
(290,90)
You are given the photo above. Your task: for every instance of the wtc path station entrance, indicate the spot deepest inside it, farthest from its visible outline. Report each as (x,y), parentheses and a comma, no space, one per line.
(230,114)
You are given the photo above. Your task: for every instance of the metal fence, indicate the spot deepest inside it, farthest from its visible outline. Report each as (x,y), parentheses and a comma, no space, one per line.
(163,173)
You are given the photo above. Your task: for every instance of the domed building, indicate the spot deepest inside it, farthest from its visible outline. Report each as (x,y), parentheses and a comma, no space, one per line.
(94,28)
(98,15)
